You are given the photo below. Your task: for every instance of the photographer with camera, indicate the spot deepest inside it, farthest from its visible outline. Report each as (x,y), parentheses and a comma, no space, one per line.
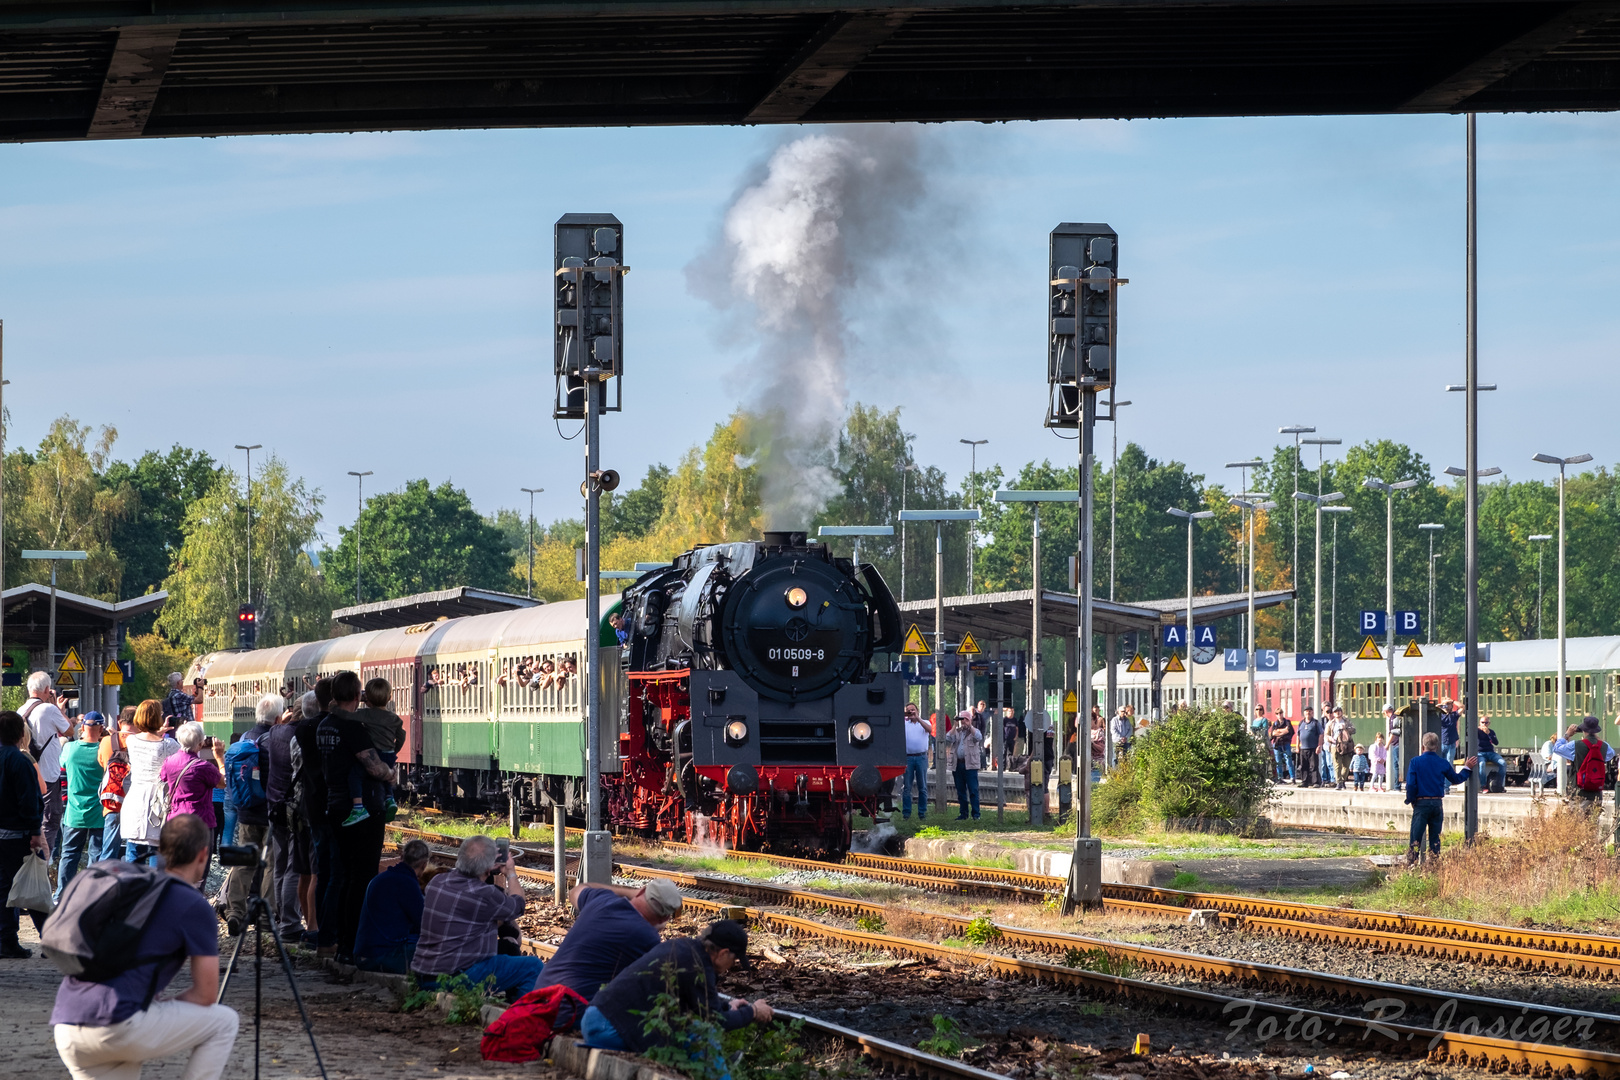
(460,917)
(109,1027)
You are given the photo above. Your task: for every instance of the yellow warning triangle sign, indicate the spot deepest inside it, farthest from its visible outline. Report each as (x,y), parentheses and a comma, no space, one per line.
(969,647)
(65,679)
(1412,649)
(1137,665)
(915,644)
(71,662)
(1369,650)
(113,676)
(1175,663)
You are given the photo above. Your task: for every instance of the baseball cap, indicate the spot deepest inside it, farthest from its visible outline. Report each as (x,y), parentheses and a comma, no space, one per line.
(662,897)
(727,934)
(93,717)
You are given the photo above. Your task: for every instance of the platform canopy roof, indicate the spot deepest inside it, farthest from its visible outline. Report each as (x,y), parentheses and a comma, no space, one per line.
(429,607)
(100,69)
(28,615)
(1006,616)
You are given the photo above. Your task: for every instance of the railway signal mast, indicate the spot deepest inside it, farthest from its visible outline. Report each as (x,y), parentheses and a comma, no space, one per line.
(1082,334)
(588,351)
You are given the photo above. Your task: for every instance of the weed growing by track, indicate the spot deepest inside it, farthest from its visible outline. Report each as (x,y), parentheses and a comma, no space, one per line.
(1099,960)
(946,1041)
(981,931)
(466,1004)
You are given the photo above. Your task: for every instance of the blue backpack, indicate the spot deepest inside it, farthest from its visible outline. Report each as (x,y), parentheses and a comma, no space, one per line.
(243,786)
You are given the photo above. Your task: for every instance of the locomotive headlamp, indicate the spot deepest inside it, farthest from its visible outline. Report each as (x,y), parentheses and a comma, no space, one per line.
(736,733)
(860,733)
(797,597)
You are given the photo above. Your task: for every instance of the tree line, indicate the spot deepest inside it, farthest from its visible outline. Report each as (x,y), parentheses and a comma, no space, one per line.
(179,520)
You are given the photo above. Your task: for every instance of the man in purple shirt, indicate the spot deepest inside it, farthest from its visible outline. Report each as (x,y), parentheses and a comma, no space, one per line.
(109,1028)
(459,917)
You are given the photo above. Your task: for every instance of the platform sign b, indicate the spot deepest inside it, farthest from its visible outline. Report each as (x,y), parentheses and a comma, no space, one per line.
(1408,623)
(1373,623)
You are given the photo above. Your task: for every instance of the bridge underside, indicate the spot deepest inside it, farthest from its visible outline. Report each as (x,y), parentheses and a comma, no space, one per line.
(84,70)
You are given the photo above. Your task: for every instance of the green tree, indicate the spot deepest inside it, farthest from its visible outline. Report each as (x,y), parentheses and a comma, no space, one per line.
(164,485)
(209,577)
(418,539)
(636,513)
(57,500)
(713,494)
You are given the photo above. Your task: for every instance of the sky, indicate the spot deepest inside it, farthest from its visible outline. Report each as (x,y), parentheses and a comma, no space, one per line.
(380,301)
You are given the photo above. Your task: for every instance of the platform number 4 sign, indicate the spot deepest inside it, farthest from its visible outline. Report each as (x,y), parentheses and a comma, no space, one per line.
(1408,623)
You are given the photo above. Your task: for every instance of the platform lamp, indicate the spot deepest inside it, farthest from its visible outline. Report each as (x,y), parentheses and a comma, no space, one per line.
(1333,602)
(1036,721)
(1540,540)
(359,509)
(973,535)
(54,557)
(1432,527)
(1319,501)
(1470,673)
(531,492)
(1190,516)
(1389,491)
(1296,430)
(3,383)
(856,532)
(249,449)
(1251,503)
(939,518)
(1562,463)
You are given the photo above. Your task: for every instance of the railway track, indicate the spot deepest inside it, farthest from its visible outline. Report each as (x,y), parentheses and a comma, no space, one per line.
(1582,955)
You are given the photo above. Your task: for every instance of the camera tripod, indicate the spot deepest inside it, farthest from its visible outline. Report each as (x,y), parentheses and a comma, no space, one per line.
(258,915)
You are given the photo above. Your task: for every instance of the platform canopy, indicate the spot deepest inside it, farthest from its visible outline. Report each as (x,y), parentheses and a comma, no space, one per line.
(28,615)
(429,607)
(100,69)
(1006,616)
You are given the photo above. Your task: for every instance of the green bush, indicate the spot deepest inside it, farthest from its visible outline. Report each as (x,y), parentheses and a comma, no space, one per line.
(1199,763)
(1116,807)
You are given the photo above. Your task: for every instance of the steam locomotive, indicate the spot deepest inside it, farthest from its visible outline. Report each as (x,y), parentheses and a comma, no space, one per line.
(742,711)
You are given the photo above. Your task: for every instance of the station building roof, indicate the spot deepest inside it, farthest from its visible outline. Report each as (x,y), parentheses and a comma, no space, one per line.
(430,606)
(1004,616)
(28,615)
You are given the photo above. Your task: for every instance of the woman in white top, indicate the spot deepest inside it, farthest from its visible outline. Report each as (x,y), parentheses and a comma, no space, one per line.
(144,805)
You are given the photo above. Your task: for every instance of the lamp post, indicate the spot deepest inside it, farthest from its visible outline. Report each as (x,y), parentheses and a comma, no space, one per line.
(1243,468)
(856,531)
(1113,493)
(1296,430)
(1389,491)
(359,509)
(1250,504)
(54,557)
(1316,603)
(904,470)
(1316,586)
(531,492)
(1561,462)
(250,449)
(1035,720)
(1539,539)
(939,517)
(3,383)
(1431,528)
(1191,516)
(973,535)
(1469,725)
(1333,610)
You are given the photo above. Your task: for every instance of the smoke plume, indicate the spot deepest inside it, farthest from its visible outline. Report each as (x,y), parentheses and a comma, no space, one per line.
(814,232)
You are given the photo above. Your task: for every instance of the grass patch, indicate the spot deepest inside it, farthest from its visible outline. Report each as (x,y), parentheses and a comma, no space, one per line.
(1099,960)
(1186,881)
(496,827)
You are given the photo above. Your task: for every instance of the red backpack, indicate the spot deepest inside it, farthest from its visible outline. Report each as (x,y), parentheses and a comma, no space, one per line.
(1592,773)
(522,1031)
(116,782)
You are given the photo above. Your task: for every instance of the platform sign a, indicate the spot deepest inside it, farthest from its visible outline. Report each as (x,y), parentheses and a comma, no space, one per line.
(1175,637)
(1373,623)
(1408,623)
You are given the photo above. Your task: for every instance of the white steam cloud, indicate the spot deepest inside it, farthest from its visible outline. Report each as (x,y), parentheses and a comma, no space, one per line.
(798,248)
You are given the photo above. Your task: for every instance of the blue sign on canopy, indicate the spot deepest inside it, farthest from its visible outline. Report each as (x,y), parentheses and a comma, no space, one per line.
(1267,659)
(1175,637)
(1373,623)
(1408,623)
(1264,659)
(1237,659)
(1318,661)
(1204,637)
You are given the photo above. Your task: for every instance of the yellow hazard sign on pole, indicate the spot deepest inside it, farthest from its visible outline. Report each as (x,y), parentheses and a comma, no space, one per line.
(1137,665)
(65,679)
(916,644)
(1071,703)
(113,676)
(1175,663)
(1412,649)
(969,647)
(1369,650)
(71,662)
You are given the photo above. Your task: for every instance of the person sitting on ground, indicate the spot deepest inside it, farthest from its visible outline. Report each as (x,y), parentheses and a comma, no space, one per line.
(459,919)
(391,917)
(614,926)
(107,1029)
(387,733)
(616,1018)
